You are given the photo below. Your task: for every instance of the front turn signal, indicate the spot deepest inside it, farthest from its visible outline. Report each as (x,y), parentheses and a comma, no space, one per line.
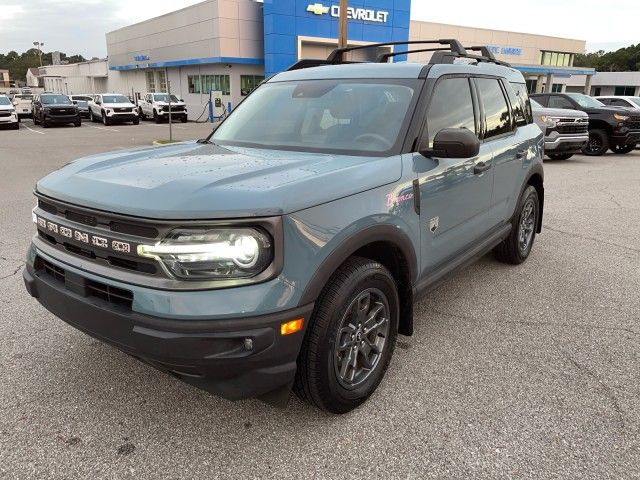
(292,326)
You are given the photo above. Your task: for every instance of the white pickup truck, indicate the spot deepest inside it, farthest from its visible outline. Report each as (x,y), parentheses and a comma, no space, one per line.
(156,106)
(23,103)
(111,108)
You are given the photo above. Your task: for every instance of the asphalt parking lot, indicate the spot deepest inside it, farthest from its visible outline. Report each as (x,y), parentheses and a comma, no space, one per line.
(513,372)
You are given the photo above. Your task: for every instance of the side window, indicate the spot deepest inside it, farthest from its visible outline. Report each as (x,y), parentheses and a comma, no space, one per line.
(560,102)
(496,110)
(606,101)
(520,104)
(451,107)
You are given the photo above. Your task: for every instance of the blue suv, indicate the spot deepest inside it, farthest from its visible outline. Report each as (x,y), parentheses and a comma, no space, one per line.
(286,249)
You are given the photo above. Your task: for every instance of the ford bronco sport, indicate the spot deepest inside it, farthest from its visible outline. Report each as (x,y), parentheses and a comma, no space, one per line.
(286,249)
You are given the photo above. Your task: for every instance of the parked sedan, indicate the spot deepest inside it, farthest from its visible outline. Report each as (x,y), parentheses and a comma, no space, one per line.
(55,108)
(8,114)
(565,131)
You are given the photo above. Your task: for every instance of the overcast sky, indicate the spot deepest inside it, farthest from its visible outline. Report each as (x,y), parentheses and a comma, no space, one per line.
(78,26)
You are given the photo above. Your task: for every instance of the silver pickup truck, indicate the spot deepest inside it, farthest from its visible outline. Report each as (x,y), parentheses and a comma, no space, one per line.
(565,131)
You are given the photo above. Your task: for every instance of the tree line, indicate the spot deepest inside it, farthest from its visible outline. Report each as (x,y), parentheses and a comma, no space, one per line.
(18,64)
(623,60)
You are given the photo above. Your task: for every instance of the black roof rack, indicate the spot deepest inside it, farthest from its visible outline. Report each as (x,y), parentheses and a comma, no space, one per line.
(448,54)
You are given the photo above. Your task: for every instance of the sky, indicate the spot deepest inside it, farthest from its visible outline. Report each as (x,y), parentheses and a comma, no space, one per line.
(79,26)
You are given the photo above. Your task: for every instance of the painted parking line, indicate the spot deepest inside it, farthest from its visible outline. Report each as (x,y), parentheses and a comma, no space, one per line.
(32,130)
(102,128)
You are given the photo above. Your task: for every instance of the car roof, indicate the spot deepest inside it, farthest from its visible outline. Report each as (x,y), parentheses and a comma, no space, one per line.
(626,97)
(399,70)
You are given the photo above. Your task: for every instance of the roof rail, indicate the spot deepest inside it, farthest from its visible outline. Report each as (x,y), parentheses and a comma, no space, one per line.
(337,56)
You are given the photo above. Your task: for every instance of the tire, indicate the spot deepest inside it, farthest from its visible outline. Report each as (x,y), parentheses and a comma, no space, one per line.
(598,143)
(141,114)
(321,363)
(77,123)
(105,121)
(44,123)
(184,119)
(156,117)
(622,149)
(136,121)
(93,117)
(559,156)
(16,126)
(35,119)
(512,250)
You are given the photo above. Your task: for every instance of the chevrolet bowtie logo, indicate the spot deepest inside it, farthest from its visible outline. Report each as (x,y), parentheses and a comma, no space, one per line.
(318,9)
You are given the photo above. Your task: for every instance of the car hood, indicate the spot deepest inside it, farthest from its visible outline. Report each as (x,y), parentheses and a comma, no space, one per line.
(607,109)
(560,112)
(166,104)
(206,181)
(7,107)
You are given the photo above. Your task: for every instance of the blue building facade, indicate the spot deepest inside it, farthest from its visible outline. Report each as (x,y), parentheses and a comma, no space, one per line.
(286,21)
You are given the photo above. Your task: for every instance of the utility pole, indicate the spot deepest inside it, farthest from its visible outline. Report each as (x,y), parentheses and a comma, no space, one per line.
(166,74)
(342,25)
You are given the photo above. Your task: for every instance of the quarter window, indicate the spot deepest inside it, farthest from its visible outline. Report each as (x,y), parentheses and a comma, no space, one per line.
(496,111)
(520,104)
(451,107)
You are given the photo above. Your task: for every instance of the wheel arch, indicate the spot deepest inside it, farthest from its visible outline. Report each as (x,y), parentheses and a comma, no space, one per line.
(598,124)
(386,244)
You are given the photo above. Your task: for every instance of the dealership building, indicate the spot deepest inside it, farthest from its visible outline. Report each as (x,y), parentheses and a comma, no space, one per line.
(232,45)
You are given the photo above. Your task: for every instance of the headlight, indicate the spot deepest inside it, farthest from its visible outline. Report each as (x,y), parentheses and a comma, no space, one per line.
(108,110)
(217,253)
(620,118)
(550,122)
(12,110)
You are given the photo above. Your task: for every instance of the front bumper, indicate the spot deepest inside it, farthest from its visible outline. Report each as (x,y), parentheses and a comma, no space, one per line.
(234,358)
(556,142)
(13,118)
(122,117)
(62,118)
(625,137)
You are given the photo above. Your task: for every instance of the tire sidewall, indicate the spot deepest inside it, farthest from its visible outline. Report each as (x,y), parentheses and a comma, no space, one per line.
(366,278)
(527,194)
(605,144)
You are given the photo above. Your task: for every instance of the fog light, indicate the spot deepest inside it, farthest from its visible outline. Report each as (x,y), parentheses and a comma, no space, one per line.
(292,326)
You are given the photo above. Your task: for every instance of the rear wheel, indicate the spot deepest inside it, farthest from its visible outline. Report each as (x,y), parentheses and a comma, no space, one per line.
(559,156)
(351,337)
(516,248)
(598,143)
(623,148)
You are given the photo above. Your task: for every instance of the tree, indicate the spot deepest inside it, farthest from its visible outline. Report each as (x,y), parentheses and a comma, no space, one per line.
(18,64)
(623,60)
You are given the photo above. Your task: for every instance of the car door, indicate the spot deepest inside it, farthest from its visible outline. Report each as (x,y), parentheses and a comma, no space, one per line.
(455,193)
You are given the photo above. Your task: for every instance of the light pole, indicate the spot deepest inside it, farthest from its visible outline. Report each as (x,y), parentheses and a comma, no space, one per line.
(39,45)
(342,25)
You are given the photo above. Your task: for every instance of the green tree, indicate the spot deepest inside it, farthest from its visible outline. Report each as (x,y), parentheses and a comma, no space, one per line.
(622,60)
(18,64)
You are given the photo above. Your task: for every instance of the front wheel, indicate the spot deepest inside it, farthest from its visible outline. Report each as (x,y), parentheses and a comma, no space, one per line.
(559,156)
(623,148)
(598,143)
(156,117)
(141,114)
(516,248)
(105,120)
(351,337)
(136,121)
(184,119)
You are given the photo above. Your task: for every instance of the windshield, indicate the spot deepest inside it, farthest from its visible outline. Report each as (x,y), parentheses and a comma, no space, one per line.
(585,100)
(535,104)
(5,101)
(114,99)
(635,100)
(54,100)
(163,97)
(80,103)
(341,116)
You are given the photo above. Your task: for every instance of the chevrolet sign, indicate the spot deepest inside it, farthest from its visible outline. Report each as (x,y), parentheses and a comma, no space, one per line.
(353,13)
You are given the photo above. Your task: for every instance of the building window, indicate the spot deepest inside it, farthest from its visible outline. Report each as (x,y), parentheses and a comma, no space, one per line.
(597,91)
(557,59)
(162,81)
(556,88)
(248,83)
(532,86)
(216,83)
(151,81)
(625,91)
(194,84)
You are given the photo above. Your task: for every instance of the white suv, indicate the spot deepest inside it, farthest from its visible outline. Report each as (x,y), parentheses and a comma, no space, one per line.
(23,103)
(111,108)
(8,115)
(156,106)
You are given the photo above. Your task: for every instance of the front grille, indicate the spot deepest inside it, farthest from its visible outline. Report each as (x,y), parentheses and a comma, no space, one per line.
(61,111)
(177,108)
(123,109)
(634,123)
(84,286)
(575,128)
(5,113)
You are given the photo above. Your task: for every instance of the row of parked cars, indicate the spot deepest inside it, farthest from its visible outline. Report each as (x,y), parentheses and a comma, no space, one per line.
(48,109)
(575,122)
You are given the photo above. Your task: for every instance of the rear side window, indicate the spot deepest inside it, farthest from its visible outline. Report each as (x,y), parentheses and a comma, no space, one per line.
(496,111)
(451,107)
(520,103)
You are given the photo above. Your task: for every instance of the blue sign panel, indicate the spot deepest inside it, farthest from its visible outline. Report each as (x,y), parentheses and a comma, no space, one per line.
(368,21)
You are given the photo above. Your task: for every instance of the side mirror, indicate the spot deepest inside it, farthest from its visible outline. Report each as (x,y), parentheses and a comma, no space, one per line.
(454,143)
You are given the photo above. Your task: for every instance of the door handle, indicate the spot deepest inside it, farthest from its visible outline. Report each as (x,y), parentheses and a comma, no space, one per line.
(481,167)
